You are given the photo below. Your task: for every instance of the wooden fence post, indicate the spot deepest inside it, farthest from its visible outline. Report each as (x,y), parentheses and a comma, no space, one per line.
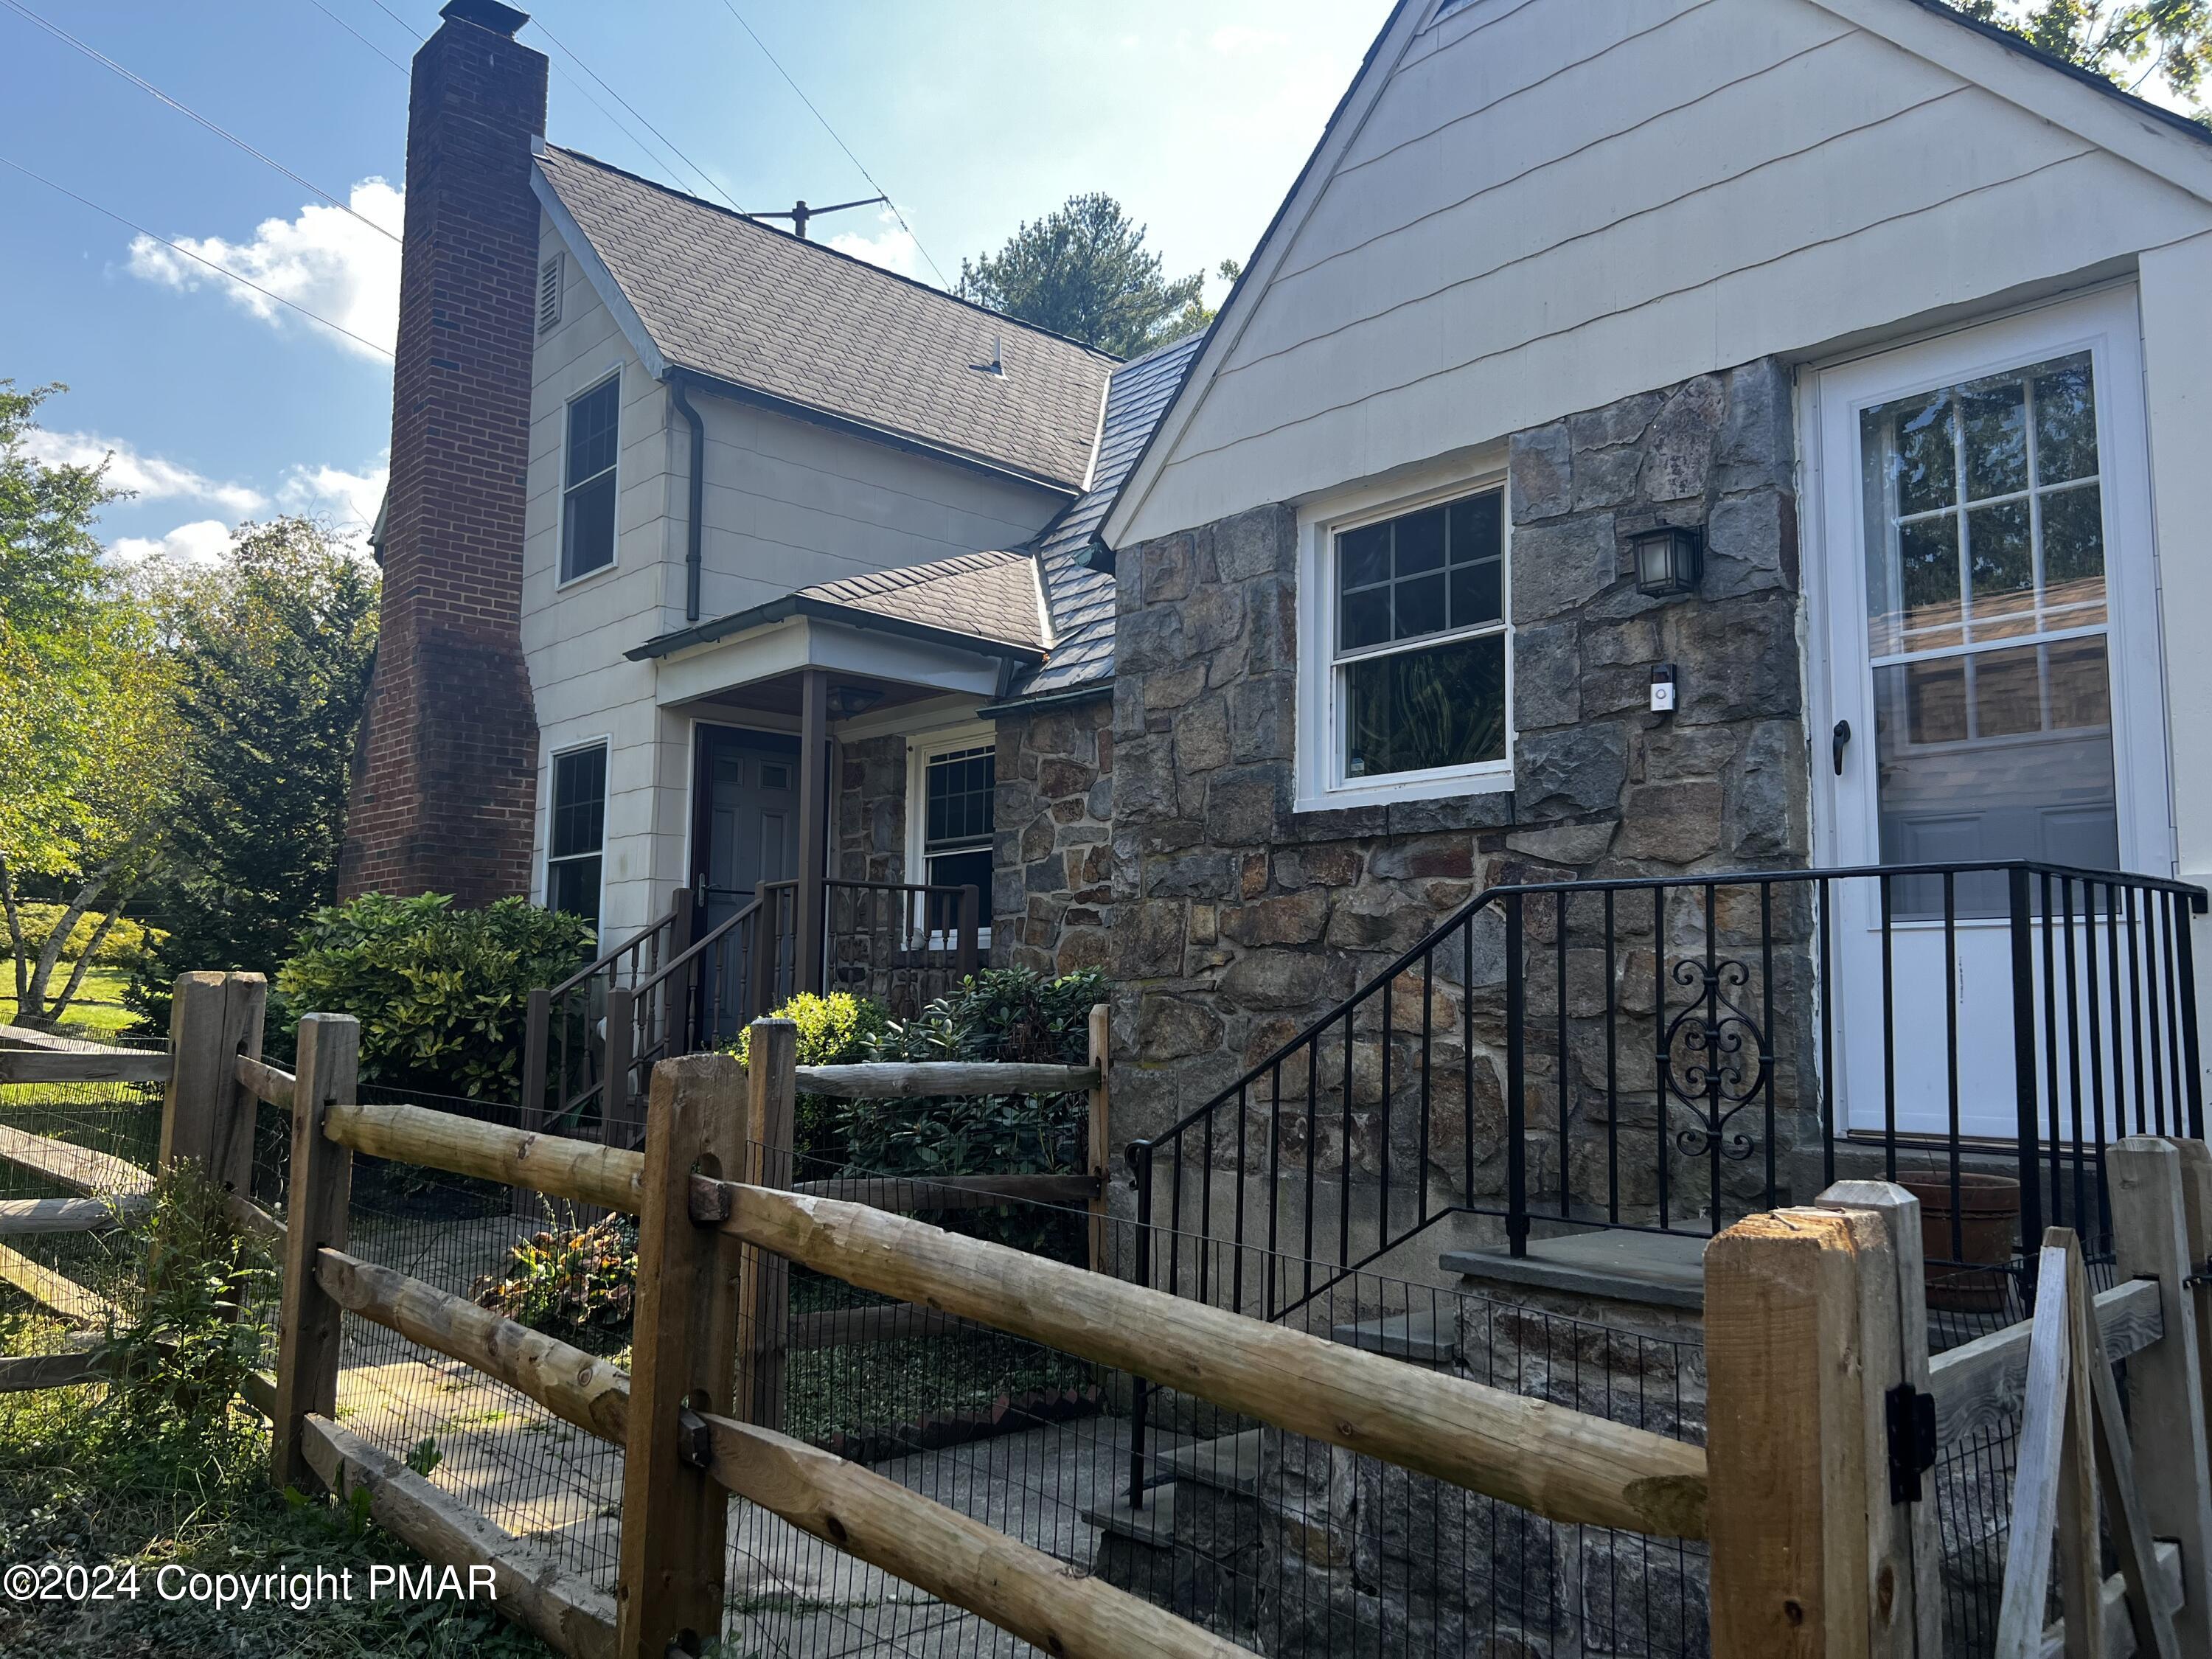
(206,1116)
(1100,1146)
(615,1122)
(1904,1543)
(2197,1215)
(1792,1418)
(765,1293)
(315,1214)
(675,1517)
(2150,1240)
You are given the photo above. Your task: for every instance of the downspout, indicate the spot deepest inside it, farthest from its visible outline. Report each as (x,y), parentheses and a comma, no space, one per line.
(698,493)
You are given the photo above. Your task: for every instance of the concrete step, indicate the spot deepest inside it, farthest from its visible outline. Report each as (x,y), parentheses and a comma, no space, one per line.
(1663,1270)
(1153,1524)
(1229,1463)
(1422,1336)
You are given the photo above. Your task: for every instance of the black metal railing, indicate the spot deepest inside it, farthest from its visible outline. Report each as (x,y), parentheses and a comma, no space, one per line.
(1667,1054)
(565,1034)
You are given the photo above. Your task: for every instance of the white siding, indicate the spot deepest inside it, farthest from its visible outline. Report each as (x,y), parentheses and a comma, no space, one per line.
(1552,205)
(787,503)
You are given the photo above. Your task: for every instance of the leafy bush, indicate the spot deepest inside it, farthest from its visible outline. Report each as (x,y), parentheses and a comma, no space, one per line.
(578,1284)
(836,1029)
(999,1014)
(126,941)
(441,993)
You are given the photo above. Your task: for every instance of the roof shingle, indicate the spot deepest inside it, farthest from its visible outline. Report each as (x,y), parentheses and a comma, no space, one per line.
(728,297)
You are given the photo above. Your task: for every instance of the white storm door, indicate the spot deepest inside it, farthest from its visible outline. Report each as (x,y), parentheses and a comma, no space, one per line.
(1993,644)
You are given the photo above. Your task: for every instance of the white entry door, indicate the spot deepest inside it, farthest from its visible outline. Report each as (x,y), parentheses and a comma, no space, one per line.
(1994,688)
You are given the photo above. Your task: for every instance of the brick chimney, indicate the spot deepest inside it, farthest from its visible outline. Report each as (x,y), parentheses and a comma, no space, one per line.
(445,775)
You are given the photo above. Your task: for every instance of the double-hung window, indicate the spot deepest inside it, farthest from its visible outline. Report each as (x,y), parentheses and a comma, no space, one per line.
(1416,670)
(578,831)
(952,813)
(587,494)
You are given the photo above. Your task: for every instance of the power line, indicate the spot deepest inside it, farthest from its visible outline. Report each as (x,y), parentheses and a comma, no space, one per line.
(358,36)
(539,24)
(832,131)
(146,86)
(398,19)
(131,224)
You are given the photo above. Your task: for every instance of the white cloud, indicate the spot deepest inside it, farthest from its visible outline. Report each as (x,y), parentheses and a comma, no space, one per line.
(894,250)
(326,260)
(201,542)
(147,477)
(348,500)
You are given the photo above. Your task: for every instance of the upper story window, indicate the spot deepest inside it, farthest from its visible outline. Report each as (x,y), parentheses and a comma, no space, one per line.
(1404,690)
(587,495)
(577,832)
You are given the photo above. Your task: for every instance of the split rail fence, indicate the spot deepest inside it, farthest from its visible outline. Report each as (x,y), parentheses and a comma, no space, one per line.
(1825,1413)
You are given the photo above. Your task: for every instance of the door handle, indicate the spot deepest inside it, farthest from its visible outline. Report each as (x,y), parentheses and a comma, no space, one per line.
(1841,735)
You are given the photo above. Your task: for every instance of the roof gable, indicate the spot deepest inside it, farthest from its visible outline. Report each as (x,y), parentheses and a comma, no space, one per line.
(709,291)
(1293,394)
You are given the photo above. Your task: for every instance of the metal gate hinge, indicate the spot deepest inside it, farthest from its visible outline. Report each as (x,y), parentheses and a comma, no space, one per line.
(1911,1422)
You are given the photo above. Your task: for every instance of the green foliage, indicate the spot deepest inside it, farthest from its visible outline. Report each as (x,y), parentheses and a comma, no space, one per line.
(999,1014)
(273,646)
(1083,270)
(2129,42)
(833,1030)
(577,1283)
(441,993)
(424,1455)
(121,946)
(88,725)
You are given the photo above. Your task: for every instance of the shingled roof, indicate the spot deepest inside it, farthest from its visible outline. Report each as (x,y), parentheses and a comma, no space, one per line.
(755,308)
(993,596)
(1080,596)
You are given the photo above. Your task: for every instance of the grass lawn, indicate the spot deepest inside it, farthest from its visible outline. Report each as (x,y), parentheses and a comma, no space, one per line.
(96,1013)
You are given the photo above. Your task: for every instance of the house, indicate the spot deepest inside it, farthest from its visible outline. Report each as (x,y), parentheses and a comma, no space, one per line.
(1652,442)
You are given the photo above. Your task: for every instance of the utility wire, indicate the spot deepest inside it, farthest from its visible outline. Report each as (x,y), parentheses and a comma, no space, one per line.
(540,24)
(225,271)
(842,144)
(358,36)
(138,81)
(398,19)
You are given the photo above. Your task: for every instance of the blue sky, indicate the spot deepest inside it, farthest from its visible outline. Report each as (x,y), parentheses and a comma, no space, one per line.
(972,113)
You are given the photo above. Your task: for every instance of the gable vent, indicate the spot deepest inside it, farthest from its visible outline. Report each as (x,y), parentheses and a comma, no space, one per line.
(548,294)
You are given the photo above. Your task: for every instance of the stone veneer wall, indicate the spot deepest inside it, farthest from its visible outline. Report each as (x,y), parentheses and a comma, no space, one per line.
(1051,896)
(1237,919)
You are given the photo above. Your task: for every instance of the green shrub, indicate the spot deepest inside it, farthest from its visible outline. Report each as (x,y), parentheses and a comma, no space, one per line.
(578,1284)
(124,944)
(999,1014)
(836,1029)
(441,993)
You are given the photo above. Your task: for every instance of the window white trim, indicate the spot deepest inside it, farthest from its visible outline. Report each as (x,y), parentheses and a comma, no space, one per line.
(1321,785)
(605,743)
(920,748)
(562,487)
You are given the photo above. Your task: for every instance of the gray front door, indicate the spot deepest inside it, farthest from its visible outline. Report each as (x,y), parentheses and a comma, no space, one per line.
(746,827)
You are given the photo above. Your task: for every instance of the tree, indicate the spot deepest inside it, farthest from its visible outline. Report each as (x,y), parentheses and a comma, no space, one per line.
(273,646)
(1197,313)
(87,741)
(2126,41)
(1083,270)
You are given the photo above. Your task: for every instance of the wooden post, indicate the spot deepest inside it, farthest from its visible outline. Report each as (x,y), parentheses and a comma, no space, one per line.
(617,1121)
(1903,1545)
(764,1289)
(760,974)
(1791,1417)
(2081,1555)
(308,1322)
(1101,1147)
(809,914)
(2197,1215)
(971,908)
(675,1517)
(537,1042)
(206,1116)
(2150,1240)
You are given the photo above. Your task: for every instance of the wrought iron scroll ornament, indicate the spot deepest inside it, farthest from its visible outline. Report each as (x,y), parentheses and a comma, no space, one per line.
(1707,1052)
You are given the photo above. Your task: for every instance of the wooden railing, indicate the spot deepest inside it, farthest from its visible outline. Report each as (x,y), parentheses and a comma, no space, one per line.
(1814,1494)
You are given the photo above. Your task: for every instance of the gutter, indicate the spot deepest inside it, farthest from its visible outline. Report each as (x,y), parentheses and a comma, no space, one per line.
(796,604)
(698,493)
(1048,700)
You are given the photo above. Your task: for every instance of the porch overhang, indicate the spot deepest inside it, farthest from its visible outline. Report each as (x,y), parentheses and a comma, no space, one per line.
(757,657)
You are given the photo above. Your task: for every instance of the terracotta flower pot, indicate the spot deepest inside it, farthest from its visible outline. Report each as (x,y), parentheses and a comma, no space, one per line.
(1988,1208)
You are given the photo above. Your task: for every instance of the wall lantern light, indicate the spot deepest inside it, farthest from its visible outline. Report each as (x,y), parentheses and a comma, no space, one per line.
(1667,561)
